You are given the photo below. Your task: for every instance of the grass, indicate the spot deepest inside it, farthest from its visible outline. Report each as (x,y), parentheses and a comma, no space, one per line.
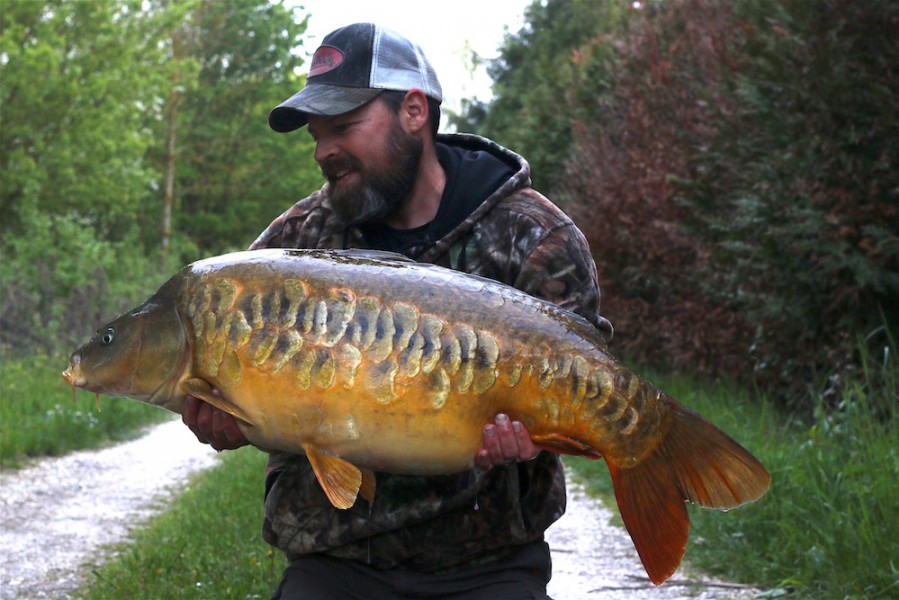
(827,528)
(38,417)
(206,545)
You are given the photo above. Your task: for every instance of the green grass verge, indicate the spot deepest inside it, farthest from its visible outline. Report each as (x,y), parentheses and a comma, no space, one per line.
(827,528)
(38,417)
(208,544)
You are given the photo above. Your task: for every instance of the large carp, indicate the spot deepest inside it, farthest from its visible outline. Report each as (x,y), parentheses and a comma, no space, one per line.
(366,361)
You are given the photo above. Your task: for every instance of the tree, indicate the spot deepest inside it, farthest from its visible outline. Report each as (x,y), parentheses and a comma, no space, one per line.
(75,90)
(536,87)
(801,186)
(234,173)
(739,186)
(84,153)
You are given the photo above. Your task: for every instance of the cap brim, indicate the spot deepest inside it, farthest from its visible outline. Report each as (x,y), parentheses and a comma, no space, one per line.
(317,99)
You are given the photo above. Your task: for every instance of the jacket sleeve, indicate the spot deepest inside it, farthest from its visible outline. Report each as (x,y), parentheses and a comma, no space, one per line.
(303,225)
(560,269)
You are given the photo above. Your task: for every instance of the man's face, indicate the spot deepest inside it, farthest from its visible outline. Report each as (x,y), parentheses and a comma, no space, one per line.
(371,163)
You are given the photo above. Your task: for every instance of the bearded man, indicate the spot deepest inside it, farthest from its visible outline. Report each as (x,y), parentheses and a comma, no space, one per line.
(372,105)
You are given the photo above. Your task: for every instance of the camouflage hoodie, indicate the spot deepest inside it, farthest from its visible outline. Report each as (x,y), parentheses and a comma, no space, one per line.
(432,524)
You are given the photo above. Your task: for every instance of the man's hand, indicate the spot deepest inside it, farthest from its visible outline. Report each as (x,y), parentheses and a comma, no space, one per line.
(211,425)
(505,441)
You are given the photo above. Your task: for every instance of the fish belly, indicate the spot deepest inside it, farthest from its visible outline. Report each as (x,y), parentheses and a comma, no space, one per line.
(404,436)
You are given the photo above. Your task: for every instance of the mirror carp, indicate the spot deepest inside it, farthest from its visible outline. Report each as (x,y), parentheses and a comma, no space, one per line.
(367,361)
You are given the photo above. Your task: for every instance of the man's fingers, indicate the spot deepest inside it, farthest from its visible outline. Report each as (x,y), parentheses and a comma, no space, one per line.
(482,460)
(508,443)
(189,416)
(526,448)
(225,434)
(504,441)
(189,410)
(233,434)
(205,415)
(211,425)
(492,446)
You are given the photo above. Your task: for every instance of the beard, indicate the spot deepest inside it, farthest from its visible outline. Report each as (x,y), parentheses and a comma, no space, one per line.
(380,191)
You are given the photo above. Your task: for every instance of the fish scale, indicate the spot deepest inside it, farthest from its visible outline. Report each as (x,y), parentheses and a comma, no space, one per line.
(471,356)
(314,352)
(327,321)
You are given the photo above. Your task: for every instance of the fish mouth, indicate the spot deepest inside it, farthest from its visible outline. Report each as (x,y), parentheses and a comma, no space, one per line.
(70,378)
(75,378)
(73,375)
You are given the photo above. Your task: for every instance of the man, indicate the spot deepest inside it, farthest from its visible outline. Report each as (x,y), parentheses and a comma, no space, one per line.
(371,103)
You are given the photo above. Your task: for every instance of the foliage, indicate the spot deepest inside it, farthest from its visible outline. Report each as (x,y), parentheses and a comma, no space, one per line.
(206,545)
(54,297)
(234,173)
(827,526)
(82,153)
(76,141)
(535,82)
(632,153)
(39,418)
(735,170)
(804,210)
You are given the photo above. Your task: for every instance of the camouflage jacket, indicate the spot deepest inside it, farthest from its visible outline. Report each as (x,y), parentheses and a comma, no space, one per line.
(516,236)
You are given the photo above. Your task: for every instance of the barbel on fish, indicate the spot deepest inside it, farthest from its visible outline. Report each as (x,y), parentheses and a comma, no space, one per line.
(366,361)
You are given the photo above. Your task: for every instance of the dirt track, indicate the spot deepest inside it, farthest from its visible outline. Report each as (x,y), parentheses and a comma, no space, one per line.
(59,513)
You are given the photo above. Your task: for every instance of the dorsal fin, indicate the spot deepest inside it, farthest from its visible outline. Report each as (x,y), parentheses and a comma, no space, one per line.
(355,254)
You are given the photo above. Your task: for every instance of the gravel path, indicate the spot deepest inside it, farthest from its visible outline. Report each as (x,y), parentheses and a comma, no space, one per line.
(61,512)
(593,559)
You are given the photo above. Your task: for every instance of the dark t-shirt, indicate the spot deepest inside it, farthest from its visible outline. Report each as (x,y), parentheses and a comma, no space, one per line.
(471,176)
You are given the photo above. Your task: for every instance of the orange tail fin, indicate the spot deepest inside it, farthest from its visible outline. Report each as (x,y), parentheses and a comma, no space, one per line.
(694,462)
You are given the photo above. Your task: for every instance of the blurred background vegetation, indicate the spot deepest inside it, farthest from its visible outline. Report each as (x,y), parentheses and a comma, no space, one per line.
(734,165)
(133,141)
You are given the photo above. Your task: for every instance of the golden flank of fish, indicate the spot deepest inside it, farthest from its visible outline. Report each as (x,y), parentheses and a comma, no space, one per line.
(366,361)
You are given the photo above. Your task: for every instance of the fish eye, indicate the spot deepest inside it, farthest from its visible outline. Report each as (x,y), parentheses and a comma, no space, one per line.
(108,336)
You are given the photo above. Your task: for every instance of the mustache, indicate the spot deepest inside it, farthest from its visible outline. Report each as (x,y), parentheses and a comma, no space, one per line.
(330,167)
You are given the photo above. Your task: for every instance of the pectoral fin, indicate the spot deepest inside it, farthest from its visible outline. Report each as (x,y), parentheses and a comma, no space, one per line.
(201,389)
(341,480)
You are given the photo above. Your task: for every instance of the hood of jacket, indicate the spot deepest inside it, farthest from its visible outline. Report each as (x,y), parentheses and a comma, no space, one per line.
(311,222)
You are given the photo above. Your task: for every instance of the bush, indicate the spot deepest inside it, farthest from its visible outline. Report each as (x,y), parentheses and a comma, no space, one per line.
(740,183)
(55,295)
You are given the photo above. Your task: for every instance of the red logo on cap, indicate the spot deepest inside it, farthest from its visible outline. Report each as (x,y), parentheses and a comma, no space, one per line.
(326,58)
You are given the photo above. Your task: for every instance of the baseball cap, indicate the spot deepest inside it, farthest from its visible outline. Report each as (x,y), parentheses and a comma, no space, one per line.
(353,65)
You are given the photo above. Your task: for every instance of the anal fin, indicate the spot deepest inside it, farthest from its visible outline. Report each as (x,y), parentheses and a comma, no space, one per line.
(340,479)
(562,444)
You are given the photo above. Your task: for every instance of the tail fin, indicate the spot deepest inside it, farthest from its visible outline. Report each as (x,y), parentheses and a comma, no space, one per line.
(694,462)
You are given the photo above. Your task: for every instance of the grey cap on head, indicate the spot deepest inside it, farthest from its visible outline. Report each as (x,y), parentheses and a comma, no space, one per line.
(353,65)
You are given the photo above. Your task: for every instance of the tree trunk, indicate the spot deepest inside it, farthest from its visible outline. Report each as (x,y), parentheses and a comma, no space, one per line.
(171,118)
